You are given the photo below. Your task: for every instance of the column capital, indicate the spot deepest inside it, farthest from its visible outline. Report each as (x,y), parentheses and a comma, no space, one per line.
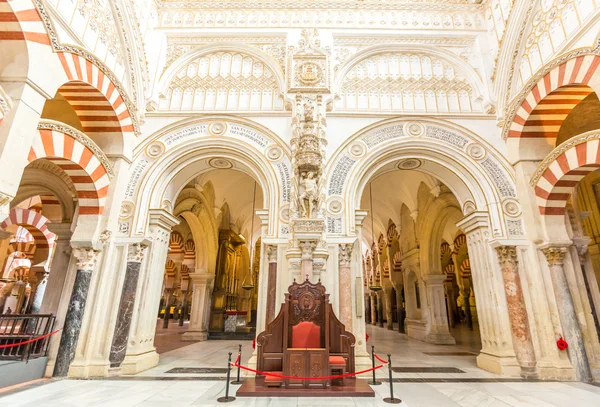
(345,253)
(201,278)
(86,258)
(555,254)
(271,253)
(507,255)
(136,252)
(359,217)
(434,278)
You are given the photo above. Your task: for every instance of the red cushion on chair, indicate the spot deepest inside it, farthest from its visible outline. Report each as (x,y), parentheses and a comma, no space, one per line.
(306,335)
(336,360)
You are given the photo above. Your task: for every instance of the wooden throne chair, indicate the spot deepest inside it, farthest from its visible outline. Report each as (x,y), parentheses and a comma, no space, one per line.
(305,340)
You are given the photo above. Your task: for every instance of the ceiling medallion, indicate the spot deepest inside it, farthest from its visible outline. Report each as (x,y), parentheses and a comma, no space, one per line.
(414,129)
(274,153)
(284,214)
(409,164)
(217,128)
(220,163)
(155,149)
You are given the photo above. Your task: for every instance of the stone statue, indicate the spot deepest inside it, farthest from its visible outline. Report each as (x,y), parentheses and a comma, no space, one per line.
(309,194)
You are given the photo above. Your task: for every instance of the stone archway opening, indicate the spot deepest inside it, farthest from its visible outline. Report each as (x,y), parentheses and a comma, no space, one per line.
(414,281)
(209,277)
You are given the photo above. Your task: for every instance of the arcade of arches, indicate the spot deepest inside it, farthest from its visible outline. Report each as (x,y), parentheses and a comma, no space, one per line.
(168,169)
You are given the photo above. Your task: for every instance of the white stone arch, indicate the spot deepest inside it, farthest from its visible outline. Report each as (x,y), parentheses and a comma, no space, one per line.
(458,64)
(187,58)
(480,178)
(172,157)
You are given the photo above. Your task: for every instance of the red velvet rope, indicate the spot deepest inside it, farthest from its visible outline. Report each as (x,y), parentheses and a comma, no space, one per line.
(237,360)
(29,341)
(385,362)
(307,378)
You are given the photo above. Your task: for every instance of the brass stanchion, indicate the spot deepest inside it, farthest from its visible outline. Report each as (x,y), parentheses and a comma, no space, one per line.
(239,359)
(391,399)
(373,382)
(227,397)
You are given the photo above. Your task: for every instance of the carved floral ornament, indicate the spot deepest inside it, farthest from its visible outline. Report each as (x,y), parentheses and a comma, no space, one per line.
(507,256)
(555,255)
(86,258)
(136,252)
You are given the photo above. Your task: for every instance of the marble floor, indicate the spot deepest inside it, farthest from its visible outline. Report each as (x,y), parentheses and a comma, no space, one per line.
(424,384)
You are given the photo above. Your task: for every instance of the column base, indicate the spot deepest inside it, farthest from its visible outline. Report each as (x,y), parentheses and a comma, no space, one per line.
(440,338)
(194,336)
(502,365)
(362,361)
(134,364)
(80,370)
(559,370)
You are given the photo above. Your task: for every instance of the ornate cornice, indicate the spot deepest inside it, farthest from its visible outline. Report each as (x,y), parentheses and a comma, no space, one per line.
(58,47)
(470,5)
(46,124)
(553,155)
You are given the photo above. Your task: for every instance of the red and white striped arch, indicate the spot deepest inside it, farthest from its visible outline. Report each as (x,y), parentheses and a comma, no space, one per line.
(87,172)
(559,174)
(94,97)
(542,111)
(34,222)
(20,21)
(465,268)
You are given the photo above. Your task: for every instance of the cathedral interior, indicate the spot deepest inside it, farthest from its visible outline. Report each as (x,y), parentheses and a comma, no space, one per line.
(183,181)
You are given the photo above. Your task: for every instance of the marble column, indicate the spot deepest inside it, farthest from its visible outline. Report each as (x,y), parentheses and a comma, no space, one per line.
(466,294)
(519,321)
(183,308)
(373,309)
(202,286)
(367,299)
(167,314)
(86,261)
(566,313)
(380,309)
(389,317)
(401,309)
(271,284)
(118,348)
(40,289)
(345,284)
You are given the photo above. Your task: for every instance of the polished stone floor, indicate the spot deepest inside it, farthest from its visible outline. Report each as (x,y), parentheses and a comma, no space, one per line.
(423,382)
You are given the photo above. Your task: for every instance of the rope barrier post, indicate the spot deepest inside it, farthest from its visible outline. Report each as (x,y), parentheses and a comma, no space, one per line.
(239,359)
(391,399)
(227,397)
(373,382)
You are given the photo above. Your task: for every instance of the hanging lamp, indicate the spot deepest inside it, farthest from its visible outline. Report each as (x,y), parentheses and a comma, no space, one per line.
(250,286)
(373,286)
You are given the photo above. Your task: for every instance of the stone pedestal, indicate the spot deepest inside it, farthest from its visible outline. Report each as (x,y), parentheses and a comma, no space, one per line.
(86,261)
(202,284)
(566,312)
(519,322)
(437,331)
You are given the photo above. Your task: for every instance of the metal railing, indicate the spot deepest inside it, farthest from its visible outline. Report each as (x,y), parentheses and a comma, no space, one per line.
(22,328)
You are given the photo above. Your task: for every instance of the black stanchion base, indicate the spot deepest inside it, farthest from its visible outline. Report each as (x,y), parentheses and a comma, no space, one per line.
(227,399)
(372,383)
(236,382)
(392,400)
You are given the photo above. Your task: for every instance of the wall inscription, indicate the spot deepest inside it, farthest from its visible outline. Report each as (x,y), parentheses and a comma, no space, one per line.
(180,135)
(381,135)
(340,173)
